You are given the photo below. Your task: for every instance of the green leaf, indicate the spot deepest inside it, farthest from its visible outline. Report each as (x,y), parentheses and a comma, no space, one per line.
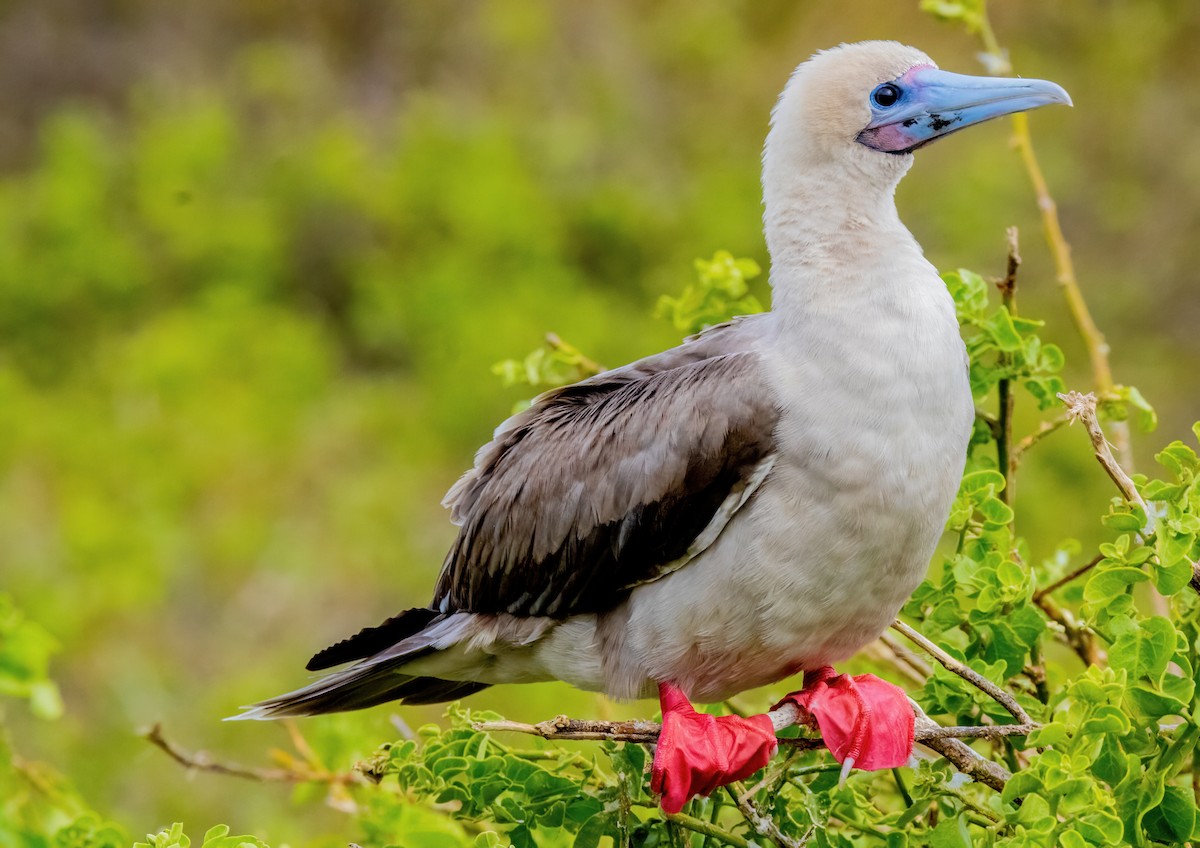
(1155,703)
(1145,652)
(1174,820)
(1106,584)
(593,830)
(999,327)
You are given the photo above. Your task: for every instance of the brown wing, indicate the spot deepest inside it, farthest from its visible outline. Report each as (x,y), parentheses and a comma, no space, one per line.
(609,483)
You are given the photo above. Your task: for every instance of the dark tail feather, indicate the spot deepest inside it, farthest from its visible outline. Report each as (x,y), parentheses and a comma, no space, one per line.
(357,688)
(385,650)
(371,640)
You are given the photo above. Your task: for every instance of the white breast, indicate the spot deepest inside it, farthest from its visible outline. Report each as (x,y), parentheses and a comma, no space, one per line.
(877,411)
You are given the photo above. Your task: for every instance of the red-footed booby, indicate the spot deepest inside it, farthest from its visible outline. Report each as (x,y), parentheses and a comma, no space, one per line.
(757,502)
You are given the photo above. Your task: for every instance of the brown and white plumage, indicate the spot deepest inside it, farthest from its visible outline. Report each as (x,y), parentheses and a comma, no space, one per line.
(755,502)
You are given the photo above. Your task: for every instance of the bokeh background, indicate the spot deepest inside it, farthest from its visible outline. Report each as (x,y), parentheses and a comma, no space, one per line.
(257,258)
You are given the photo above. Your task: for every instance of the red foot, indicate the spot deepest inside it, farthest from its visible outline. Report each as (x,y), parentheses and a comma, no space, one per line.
(696,752)
(866,722)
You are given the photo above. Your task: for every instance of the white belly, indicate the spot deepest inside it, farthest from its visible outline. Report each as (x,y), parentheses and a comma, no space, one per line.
(821,559)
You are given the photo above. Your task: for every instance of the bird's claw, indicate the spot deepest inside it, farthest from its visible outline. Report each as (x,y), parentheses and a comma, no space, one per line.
(698,753)
(866,722)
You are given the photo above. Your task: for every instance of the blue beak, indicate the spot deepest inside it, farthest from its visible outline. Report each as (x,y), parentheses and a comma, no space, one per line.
(926,104)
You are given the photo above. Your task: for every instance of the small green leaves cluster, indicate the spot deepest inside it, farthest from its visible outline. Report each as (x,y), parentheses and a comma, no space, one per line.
(970,13)
(721,291)
(38,808)
(1108,765)
(216,837)
(585,794)
(555,363)
(1002,345)
(977,605)
(25,651)
(529,796)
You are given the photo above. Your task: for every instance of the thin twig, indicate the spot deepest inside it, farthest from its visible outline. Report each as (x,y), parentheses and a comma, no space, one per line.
(699,826)
(1078,637)
(200,761)
(881,651)
(1060,249)
(902,653)
(762,824)
(1044,429)
(1082,407)
(587,365)
(1008,296)
(990,421)
(786,715)
(1067,578)
(962,756)
(965,672)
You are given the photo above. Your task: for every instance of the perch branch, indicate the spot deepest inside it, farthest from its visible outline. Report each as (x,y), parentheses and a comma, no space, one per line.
(946,741)
(965,672)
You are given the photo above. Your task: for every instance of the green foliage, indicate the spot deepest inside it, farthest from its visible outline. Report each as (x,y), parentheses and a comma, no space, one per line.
(969,13)
(721,291)
(38,807)
(216,837)
(25,651)
(1003,346)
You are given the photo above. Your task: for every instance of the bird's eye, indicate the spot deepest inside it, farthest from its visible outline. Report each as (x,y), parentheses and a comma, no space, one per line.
(885,95)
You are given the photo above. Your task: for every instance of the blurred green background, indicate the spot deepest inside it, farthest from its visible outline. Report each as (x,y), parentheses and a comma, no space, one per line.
(256,259)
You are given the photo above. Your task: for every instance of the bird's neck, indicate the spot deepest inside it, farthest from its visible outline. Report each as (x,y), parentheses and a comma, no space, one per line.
(830,235)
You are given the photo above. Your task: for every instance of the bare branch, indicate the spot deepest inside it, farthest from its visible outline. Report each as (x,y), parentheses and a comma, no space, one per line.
(961,755)
(1003,432)
(700,826)
(1044,429)
(966,673)
(200,761)
(1082,407)
(944,740)
(564,729)
(762,824)
(1067,578)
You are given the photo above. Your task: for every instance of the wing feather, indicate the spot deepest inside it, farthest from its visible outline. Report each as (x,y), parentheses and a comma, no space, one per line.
(609,483)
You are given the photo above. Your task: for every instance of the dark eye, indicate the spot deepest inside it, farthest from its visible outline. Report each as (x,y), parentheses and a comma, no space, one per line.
(885,95)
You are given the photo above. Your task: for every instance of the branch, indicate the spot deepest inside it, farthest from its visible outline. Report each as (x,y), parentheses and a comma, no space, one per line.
(1082,407)
(700,826)
(1078,637)
(200,761)
(943,740)
(960,755)
(763,825)
(1004,454)
(966,673)
(1045,428)
(1067,578)
(1060,249)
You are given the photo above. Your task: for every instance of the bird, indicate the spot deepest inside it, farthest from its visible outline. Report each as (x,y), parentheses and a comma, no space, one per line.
(755,503)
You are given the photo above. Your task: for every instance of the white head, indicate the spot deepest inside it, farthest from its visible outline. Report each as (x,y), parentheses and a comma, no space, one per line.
(851,117)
